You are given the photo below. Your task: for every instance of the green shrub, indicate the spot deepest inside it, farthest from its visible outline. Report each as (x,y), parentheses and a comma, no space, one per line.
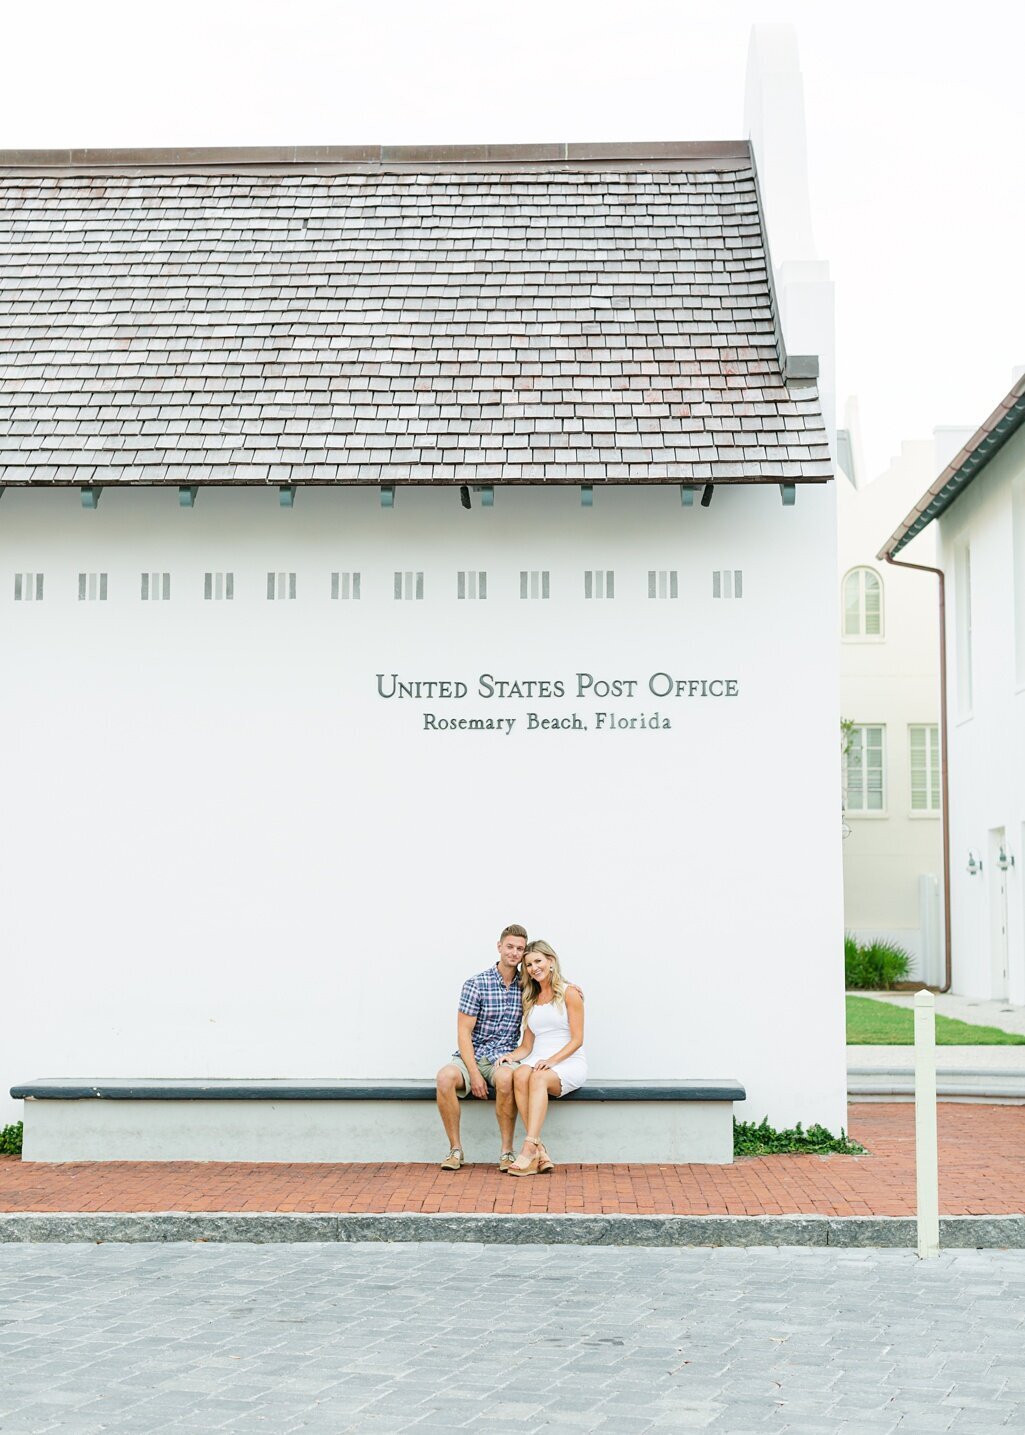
(10,1139)
(874,966)
(853,969)
(763,1140)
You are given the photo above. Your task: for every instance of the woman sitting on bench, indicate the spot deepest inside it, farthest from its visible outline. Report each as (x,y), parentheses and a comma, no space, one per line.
(551,1051)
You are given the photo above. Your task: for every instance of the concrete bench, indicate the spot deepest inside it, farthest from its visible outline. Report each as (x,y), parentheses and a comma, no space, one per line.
(364,1120)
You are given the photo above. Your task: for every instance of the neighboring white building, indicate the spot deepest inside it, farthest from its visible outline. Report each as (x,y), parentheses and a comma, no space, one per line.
(889,691)
(978,502)
(398,544)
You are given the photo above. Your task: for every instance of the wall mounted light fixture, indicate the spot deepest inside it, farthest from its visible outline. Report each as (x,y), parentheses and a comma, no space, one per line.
(974,864)
(1004,861)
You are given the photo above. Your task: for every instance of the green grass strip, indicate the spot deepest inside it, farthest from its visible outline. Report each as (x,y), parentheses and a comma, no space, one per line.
(876,1023)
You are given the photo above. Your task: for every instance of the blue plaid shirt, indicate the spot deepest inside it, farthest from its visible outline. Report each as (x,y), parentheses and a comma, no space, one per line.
(499,1013)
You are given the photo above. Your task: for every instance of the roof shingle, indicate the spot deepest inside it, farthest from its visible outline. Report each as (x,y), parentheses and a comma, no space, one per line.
(446,326)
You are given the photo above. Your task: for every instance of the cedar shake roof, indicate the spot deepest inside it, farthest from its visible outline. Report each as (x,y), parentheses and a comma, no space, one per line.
(535,314)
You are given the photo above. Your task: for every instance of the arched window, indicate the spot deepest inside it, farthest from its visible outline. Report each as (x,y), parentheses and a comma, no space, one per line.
(863,604)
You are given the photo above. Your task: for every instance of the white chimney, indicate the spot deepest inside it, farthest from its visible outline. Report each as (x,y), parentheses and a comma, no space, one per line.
(774,123)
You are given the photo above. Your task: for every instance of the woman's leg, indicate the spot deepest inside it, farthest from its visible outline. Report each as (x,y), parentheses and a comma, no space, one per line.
(532,1089)
(521,1081)
(542,1085)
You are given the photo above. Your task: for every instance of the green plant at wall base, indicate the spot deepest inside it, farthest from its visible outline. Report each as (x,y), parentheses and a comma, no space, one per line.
(10,1139)
(874,966)
(763,1140)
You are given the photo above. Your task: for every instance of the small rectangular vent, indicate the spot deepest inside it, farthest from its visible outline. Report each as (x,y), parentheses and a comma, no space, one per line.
(599,583)
(28,587)
(663,583)
(727,583)
(92,587)
(156,587)
(409,586)
(534,583)
(345,586)
(472,584)
(280,585)
(218,586)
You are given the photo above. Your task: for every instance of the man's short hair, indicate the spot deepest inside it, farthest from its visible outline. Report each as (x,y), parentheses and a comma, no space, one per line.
(514,931)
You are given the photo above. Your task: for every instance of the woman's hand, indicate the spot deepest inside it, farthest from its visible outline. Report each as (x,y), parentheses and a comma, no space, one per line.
(544,1065)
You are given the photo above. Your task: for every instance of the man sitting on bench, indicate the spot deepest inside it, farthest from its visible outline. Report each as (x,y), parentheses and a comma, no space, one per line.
(490,1017)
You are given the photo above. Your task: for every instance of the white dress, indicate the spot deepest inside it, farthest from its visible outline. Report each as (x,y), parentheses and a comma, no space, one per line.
(550,1025)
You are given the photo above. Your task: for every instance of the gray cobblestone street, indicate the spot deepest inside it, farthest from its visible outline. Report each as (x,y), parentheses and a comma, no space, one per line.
(391,1338)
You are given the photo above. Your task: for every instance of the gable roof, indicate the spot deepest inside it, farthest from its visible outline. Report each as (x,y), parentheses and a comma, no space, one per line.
(1003,422)
(555,314)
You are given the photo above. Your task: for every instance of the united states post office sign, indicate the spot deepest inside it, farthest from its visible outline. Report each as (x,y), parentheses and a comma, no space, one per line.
(633,693)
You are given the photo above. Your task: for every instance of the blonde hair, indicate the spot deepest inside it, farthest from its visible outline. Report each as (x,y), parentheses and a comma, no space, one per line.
(530,988)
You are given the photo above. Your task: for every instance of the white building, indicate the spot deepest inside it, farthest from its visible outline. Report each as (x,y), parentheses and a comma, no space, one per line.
(978,503)
(296,731)
(889,692)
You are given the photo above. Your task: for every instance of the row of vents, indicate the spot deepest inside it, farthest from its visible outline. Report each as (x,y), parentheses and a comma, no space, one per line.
(407,586)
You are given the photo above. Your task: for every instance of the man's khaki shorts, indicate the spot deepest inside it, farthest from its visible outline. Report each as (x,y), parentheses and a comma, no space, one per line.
(487,1070)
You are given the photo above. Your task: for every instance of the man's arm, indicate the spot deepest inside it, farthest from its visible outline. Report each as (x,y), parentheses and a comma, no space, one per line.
(466,1024)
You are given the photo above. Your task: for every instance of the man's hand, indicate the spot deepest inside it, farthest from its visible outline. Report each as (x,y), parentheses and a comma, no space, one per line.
(478,1086)
(572,987)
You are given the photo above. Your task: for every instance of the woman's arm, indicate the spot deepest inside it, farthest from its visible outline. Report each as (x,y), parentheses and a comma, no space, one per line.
(525,1047)
(575,1013)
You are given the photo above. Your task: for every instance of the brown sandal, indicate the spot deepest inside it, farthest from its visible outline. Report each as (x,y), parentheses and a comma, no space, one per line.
(545,1164)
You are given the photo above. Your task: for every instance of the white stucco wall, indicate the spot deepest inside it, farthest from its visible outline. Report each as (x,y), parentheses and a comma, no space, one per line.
(987,742)
(893,680)
(224,854)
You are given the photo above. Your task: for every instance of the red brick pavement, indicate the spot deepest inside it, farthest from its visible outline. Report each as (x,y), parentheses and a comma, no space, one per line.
(982,1172)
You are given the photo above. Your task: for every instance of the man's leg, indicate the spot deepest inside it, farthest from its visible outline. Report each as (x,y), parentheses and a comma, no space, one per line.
(449,1083)
(505,1105)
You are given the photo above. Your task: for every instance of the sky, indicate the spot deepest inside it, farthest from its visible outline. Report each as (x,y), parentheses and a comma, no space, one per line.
(914,122)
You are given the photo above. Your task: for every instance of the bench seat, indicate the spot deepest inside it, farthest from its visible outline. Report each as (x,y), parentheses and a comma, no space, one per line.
(168,1119)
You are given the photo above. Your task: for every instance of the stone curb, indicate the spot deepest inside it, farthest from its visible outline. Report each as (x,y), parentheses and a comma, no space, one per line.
(956,1232)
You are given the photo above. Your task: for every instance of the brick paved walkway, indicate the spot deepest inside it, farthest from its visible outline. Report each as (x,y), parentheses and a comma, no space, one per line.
(982,1172)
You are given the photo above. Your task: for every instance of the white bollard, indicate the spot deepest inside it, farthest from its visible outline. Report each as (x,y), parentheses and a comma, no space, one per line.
(926,1158)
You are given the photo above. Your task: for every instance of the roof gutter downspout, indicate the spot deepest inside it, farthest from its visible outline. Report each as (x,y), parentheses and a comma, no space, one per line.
(944,789)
